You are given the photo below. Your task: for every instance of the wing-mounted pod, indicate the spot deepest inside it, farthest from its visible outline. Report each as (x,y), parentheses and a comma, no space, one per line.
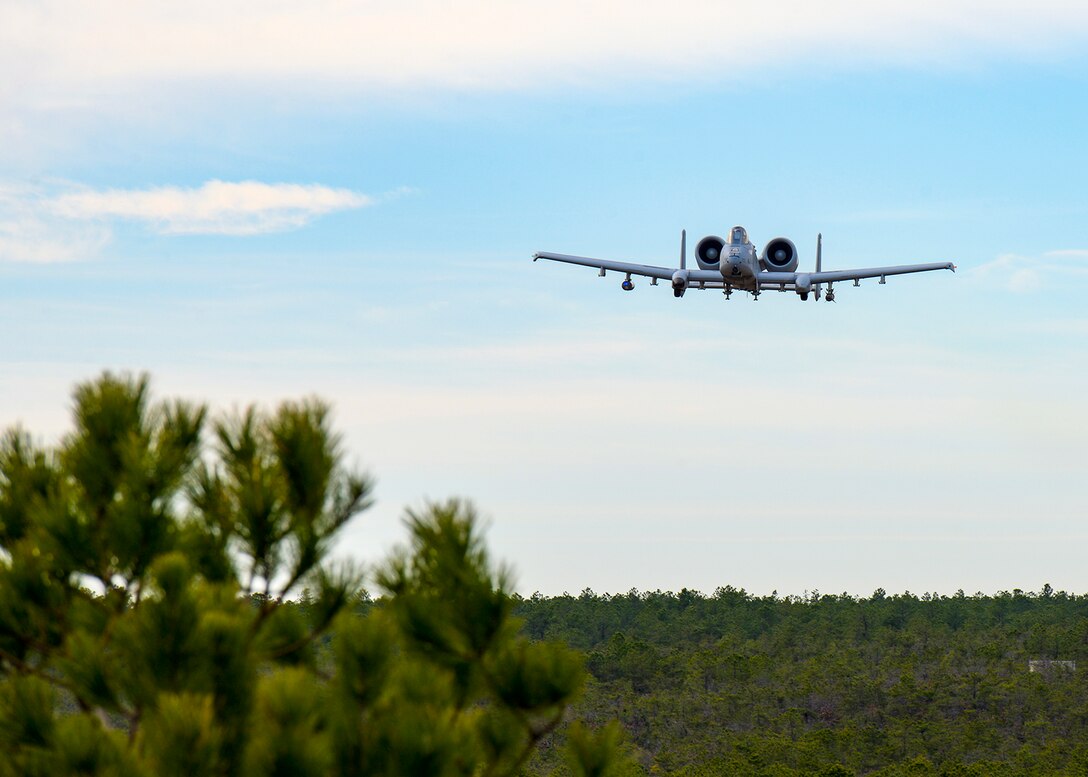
(708,252)
(779,255)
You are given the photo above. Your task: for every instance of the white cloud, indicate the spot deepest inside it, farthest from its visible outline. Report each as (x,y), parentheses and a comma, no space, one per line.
(217,207)
(1069,327)
(44,242)
(75,47)
(1026,274)
(1024,280)
(30,233)
(1069,253)
(38,225)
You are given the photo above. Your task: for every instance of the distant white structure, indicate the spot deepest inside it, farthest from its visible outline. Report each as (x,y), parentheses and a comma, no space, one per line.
(1049,665)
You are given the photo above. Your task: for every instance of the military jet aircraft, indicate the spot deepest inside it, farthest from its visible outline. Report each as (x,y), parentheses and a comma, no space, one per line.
(733,264)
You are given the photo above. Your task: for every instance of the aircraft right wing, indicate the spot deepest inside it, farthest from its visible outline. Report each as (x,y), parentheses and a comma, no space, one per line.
(647,270)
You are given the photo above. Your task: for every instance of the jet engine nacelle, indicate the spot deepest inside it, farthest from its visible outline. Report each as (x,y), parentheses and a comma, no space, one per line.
(708,252)
(779,255)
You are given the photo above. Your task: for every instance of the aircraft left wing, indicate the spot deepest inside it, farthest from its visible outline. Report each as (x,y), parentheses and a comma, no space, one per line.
(835,276)
(831,276)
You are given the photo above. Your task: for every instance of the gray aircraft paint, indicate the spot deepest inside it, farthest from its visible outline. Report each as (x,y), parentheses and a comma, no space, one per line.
(734,264)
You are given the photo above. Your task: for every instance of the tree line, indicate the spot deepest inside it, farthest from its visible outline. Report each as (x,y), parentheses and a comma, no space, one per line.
(733,683)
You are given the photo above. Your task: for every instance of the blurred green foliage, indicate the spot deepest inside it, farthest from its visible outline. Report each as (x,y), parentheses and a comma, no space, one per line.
(167,607)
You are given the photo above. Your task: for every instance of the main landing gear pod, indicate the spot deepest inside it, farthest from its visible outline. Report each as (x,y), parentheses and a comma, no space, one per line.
(679,283)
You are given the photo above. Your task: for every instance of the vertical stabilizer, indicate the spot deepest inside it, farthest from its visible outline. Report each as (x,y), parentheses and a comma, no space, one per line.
(819,261)
(683,249)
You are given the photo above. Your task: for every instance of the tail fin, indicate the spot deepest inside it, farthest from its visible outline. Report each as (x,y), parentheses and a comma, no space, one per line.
(819,261)
(683,249)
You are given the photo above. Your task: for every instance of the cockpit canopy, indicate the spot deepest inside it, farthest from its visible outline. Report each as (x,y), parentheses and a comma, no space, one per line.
(737,236)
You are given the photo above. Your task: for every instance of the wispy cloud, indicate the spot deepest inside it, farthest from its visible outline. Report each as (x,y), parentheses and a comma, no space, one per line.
(29,232)
(216,207)
(1069,253)
(75,222)
(481,44)
(1025,274)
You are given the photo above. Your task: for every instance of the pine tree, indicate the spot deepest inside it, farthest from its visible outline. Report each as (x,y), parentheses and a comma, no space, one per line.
(169,608)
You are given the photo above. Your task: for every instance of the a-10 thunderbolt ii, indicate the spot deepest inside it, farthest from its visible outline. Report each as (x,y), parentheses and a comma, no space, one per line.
(733,264)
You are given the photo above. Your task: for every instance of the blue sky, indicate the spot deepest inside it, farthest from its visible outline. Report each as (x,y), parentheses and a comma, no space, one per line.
(260,201)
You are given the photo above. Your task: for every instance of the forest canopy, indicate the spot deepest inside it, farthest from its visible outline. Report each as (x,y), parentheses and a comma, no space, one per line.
(733,683)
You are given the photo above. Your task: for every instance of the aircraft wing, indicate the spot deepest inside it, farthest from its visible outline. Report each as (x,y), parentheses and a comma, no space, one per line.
(832,276)
(650,271)
(647,270)
(793,279)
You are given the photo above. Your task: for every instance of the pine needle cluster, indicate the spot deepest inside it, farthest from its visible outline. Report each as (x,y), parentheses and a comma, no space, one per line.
(151,620)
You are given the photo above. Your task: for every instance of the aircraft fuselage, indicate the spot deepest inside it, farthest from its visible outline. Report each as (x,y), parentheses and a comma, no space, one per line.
(734,256)
(740,266)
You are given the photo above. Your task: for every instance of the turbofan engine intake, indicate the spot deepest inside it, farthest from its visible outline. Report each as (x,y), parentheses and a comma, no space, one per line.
(779,255)
(708,252)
